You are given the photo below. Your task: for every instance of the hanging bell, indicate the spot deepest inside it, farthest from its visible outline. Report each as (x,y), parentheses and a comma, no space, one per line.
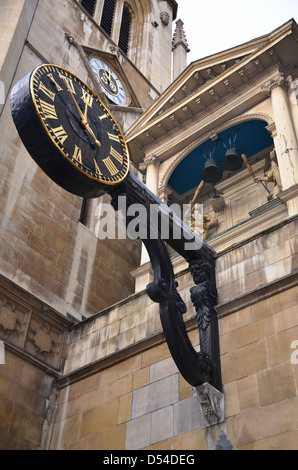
(232,160)
(211,172)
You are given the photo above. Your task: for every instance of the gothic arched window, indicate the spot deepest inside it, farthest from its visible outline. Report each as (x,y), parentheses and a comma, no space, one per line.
(107,17)
(125,31)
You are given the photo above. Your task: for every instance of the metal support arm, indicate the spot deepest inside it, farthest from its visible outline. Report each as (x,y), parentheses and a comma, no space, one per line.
(196,367)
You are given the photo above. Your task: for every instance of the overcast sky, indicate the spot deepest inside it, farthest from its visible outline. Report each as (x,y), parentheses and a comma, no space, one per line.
(215,25)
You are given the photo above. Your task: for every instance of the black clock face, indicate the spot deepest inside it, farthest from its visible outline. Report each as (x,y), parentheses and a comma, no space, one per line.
(79,125)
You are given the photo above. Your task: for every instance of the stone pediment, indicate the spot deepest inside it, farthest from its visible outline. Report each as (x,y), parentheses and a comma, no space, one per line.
(211,81)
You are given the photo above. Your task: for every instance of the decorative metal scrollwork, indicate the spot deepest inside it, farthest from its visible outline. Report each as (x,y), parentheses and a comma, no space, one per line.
(196,367)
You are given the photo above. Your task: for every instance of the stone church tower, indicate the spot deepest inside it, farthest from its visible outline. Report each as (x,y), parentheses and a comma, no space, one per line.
(85,362)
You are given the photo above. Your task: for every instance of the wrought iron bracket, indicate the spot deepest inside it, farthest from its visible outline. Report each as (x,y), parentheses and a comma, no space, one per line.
(197,368)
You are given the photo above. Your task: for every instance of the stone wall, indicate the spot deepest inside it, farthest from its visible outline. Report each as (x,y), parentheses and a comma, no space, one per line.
(25,395)
(110,382)
(43,248)
(121,389)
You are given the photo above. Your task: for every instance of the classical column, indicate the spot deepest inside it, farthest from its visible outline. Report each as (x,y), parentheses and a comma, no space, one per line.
(285,140)
(151,165)
(143,274)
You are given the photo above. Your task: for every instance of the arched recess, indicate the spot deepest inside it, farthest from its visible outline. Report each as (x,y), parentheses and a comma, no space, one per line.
(252,137)
(140,13)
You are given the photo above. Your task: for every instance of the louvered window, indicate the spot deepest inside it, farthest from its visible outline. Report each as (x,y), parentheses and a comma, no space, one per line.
(108,16)
(89,6)
(125,31)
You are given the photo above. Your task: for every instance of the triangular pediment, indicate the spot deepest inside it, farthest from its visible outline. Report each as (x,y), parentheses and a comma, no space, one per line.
(211,79)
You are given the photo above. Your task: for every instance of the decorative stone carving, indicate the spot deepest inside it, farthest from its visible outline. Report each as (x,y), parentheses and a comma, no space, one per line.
(165,18)
(278,81)
(30,329)
(44,341)
(212,403)
(152,160)
(12,321)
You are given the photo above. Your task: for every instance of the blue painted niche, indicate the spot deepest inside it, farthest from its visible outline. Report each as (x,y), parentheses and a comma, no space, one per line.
(252,137)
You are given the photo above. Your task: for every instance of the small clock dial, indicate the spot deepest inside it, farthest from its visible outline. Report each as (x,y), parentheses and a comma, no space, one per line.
(109,81)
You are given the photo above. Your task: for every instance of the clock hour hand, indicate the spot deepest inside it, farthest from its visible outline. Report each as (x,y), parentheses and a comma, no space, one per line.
(88,128)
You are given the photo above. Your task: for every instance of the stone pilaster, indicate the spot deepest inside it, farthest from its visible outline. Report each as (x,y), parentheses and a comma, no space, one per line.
(285,138)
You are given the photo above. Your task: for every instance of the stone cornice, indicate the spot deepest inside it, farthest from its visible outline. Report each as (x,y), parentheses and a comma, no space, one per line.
(257,295)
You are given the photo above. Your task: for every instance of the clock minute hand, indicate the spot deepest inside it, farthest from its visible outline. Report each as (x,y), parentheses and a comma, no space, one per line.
(84,121)
(87,126)
(75,102)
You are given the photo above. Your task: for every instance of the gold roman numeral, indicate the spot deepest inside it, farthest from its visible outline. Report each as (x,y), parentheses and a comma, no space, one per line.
(104,116)
(114,137)
(60,134)
(69,83)
(87,98)
(48,92)
(98,172)
(78,155)
(110,166)
(117,155)
(54,81)
(48,110)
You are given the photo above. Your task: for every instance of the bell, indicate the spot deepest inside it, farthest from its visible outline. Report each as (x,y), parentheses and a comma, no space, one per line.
(232,160)
(211,173)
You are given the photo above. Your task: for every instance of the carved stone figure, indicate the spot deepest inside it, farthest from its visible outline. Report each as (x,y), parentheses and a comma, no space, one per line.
(273,175)
(202,294)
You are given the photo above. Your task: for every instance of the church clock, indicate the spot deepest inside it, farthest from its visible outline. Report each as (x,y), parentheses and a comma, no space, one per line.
(109,81)
(69,132)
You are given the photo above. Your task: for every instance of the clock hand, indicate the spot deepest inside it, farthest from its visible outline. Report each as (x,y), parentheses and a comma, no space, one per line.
(88,128)
(84,121)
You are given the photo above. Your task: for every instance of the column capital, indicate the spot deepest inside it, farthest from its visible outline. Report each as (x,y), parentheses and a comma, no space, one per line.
(163,193)
(278,81)
(150,160)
